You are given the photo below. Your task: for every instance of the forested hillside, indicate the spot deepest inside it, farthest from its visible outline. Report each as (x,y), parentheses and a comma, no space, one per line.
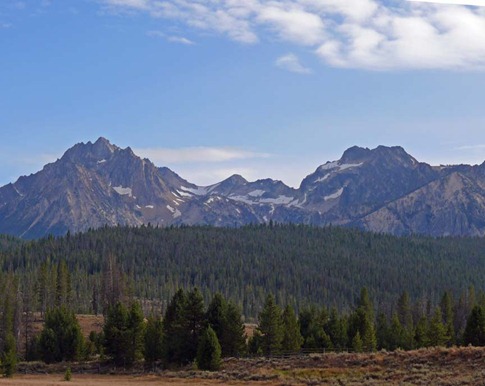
(299,264)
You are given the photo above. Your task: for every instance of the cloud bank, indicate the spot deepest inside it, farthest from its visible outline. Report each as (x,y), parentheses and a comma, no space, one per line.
(364,34)
(197,154)
(291,62)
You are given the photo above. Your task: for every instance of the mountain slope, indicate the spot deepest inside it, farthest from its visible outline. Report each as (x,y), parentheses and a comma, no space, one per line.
(383,189)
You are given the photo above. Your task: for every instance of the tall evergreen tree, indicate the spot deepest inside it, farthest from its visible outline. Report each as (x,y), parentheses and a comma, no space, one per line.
(136,332)
(174,329)
(475,328)
(270,326)
(421,333)
(234,335)
(357,344)
(153,339)
(194,318)
(447,313)
(9,356)
(216,314)
(396,334)
(382,332)
(63,285)
(292,339)
(361,322)
(436,330)
(337,330)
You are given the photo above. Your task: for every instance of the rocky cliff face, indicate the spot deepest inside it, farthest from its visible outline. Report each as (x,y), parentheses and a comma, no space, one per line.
(383,189)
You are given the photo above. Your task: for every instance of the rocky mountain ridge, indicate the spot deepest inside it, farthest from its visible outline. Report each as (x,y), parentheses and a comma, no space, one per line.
(383,189)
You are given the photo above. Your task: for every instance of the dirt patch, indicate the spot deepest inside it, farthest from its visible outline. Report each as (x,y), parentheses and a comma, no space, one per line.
(452,366)
(111,380)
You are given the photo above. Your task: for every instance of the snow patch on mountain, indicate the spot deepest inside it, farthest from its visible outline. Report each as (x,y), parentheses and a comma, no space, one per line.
(256,193)
(281,200)
(183,194)
(321,179)
(335,195)
(329,166)
(199,191)
(242,199)
(348,166)
(123,191)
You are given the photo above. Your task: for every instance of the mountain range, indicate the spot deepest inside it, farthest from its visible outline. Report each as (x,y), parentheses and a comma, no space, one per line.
(382,190)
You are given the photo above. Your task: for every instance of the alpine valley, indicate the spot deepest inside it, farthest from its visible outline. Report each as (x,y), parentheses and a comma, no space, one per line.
(382,190)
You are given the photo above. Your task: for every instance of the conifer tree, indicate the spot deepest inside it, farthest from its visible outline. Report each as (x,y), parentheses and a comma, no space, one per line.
(396,333)
(153,339)
(61,338)
(209,351)
(270,326)
(234,335)
(337,330)
(421,333)
(382,332)
(63,285)
(405,315)
(475,328)
(194,318)
(123,331)
(446,306)
(9,356)
(357,344)
(174,329)
(365,304)
(404,312)
(116,339)
(136,332)
(436,330)
(361,322)
(369,340)
(216,314)
(43,287)
(312,328)
(292,339)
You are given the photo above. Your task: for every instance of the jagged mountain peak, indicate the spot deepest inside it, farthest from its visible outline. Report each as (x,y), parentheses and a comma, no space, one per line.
(355,154)
(235,179)
(101,150)
(98,183)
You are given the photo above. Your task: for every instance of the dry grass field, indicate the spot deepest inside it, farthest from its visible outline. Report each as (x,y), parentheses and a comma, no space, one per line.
(437,366)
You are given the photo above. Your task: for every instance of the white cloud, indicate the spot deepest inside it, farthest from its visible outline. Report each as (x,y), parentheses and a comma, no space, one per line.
(291,62)
(135,4)
(162,156)
(471,147)
(479,3)
(293,24)
(171,39)
(204,174)
(180,40)
(369,34)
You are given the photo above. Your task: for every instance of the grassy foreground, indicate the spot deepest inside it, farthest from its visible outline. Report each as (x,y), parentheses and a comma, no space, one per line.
(436,366)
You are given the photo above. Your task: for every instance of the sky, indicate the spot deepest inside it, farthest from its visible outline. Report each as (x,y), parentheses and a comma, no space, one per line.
(261,88)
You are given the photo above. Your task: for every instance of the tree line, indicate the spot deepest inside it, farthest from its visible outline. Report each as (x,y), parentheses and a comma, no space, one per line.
(191,332)
(299,264)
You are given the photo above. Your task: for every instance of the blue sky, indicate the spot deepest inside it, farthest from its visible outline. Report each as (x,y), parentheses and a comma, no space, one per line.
(260,88)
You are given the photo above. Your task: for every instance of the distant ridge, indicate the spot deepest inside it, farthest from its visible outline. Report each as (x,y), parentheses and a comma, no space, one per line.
(383,189)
